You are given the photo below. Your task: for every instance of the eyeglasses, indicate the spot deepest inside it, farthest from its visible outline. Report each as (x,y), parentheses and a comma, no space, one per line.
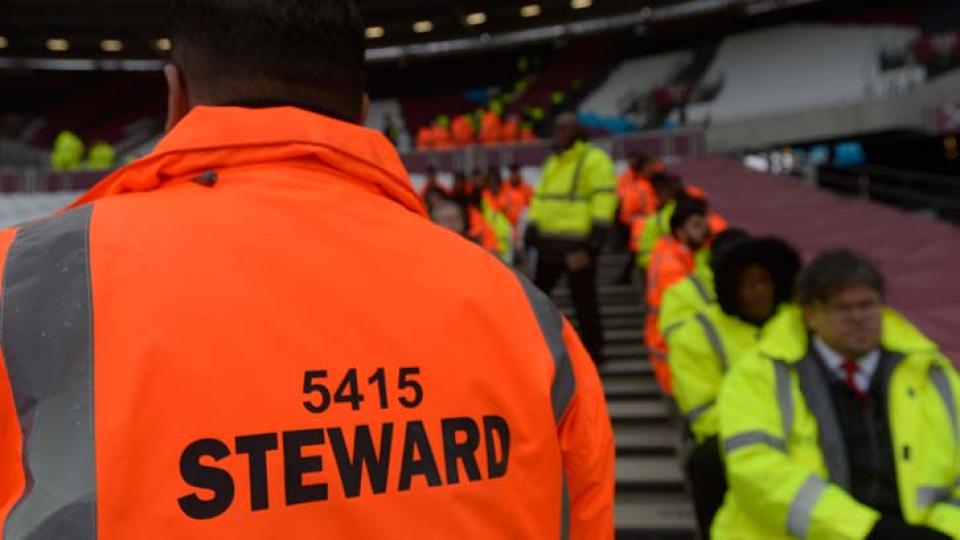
(847,311)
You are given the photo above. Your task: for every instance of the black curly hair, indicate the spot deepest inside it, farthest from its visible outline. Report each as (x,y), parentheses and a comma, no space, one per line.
(777,256)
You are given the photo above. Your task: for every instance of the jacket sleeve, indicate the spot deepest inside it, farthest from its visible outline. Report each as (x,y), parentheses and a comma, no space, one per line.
(648,240)
(945,515)
(660,277)
(11,464)
(603,186)
(674,309)
(586,443)
(767,484)
(696,373)
(535,202)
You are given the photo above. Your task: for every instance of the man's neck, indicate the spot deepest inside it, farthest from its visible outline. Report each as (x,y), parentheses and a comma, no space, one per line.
(824,347)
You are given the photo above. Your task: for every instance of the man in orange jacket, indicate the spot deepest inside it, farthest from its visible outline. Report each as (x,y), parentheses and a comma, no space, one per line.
(637,201)
(255,332)
(465,220)
(672,261)
(425,138)
(516,195)
(637,197)
(462,131)
(491,128)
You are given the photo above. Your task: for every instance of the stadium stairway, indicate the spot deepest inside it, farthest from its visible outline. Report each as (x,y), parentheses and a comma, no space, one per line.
(652,502)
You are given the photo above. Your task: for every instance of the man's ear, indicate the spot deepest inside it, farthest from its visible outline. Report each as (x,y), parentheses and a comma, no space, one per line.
(365,109)
(178,101)
(809,316)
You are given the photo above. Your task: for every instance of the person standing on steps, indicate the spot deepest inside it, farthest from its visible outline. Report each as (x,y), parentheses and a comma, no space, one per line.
(572,210)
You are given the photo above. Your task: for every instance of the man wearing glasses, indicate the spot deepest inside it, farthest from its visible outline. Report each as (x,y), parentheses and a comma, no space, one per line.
(844,422)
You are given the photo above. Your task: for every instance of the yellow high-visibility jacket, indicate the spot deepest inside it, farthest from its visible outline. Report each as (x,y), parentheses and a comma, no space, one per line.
(657,226)
(685,299)
(702,351)
(578,188)
(785,455)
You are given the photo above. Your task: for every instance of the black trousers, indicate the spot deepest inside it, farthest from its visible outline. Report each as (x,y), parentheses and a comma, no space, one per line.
(551,266)
(708,482)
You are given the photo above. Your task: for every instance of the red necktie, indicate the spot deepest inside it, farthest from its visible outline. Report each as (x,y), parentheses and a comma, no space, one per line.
(850,367)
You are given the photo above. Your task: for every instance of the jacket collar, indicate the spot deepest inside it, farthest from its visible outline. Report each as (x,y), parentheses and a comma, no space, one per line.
(212,138)
(575,150)
(786,337)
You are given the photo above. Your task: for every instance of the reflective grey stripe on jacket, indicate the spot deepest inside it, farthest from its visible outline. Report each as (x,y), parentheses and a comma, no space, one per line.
(564,383)
(714,338)
(701,289)
(47,338)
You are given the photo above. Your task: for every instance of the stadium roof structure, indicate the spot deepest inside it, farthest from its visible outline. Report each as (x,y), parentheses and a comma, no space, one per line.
(109,34)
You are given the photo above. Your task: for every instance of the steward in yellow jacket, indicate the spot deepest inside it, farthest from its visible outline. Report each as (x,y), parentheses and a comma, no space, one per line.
(754,280)
(843,423)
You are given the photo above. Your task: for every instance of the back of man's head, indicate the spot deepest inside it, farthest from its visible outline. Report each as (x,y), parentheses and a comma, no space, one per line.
(667,186)
(687,207)
(834,271)
(640,161)
(305,53)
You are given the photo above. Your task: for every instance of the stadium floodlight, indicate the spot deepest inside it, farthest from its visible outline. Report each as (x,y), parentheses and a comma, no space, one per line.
(4,42)
(580,4)
(58,45)
(530,11)
(422,27)
(375,32)
(163,44)
(475,19)
(111,45)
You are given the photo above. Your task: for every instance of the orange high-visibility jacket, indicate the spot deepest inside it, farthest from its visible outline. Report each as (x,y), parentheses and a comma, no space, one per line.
(637,197)
(481,232)
(670,263)
(441,137)
(461,130)
(511,130)
(254,333)
(425,138)
(491,128)
(514,199)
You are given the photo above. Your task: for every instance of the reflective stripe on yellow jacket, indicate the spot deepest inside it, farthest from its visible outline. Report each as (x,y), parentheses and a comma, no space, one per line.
(701,352)
(785,455)
(656,226)
(578,188)
(685,299)
(503,229)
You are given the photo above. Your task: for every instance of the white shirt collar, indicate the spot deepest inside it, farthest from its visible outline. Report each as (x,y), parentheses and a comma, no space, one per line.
(866,365)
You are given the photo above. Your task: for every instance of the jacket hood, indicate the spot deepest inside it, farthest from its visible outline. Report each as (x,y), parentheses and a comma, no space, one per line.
(212,138)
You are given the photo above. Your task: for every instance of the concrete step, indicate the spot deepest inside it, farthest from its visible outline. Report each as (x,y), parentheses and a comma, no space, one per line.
(604,290)
(646,440)
(641,516)
(633,351)
(623,334)
(608,308)
(615,323)
(620,323)
(649,475)
(631,388)
(626,310)
(613,260)
(631,367)
(638,411)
